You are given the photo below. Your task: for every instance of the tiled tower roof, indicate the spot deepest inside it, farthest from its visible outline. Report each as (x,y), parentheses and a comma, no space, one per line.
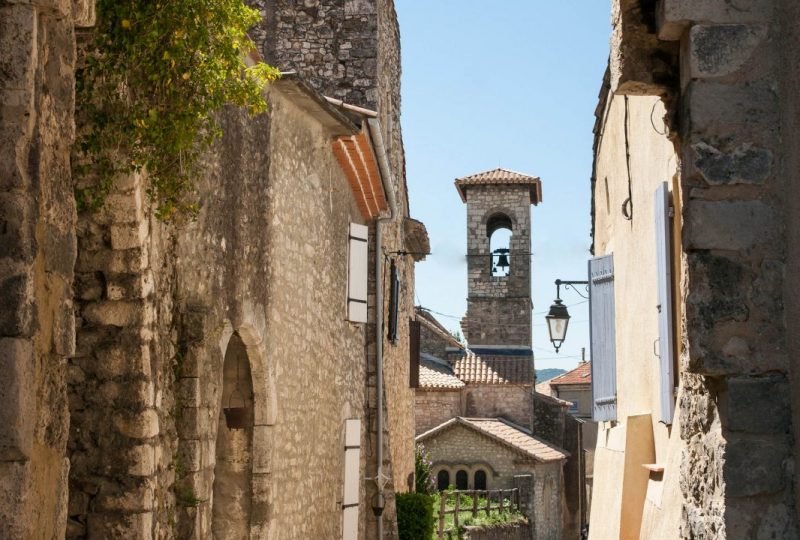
(500,176)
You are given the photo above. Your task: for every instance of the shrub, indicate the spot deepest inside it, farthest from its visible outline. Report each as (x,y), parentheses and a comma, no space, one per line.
(422,471)
(414,516)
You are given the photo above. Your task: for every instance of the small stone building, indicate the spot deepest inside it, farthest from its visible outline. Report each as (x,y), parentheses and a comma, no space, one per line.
(494,453)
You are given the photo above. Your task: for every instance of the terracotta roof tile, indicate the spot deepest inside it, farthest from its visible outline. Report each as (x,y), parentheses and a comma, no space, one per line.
(475,369)
(506,433)
(580,375)
(436,374)
(500,176)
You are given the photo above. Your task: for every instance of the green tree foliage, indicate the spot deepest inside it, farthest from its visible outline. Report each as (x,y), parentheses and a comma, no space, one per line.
(155,73)
(414,516)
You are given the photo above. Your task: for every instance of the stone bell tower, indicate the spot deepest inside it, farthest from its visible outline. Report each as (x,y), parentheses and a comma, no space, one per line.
(499,299)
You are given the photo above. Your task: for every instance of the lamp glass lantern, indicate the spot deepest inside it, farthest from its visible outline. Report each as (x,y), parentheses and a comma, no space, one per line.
(557,323)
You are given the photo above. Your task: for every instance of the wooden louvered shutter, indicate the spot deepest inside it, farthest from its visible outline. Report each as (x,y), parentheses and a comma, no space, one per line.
(394,303)
(666,340)
(601,309)
(352,478)
(357,274)
(413,349)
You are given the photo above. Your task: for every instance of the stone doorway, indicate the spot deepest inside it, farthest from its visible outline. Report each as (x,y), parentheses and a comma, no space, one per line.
(232,498)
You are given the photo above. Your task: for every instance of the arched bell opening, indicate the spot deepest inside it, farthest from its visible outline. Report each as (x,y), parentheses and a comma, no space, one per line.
(233,471)
(499,229)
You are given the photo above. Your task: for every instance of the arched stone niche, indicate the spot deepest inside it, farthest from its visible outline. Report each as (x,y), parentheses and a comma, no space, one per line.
(264,411)
(233,469)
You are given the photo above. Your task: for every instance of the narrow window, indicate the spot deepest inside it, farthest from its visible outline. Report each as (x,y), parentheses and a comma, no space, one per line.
(499,230)
(480,479)
(443,480)
(394,302)
(462,480)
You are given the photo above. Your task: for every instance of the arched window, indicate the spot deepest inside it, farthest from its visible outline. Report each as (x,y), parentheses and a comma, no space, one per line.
(499,229)
(462,480)
(442,480)
(480,479)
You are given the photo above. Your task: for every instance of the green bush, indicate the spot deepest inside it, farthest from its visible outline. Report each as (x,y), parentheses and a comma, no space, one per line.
(414,516)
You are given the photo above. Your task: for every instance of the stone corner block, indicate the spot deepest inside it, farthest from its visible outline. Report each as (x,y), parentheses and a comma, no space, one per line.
(141,425)
(720,50)
(759,404)
(673,17)
(18,411)
(729,225)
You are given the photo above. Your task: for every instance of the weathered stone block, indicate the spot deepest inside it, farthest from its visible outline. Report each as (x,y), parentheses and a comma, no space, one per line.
(262,455)
(758,404)
(15,479)
(675,16)
(754,466)
(18,413)
(16,297)
(114,313)
(123,208)
(745,164)
(194,423)
(64,329)
(729,225)
(83,13)
(719,50)
(18,43)
(128,236)
(189,393)
(17,239)
(138,526)
(191,455)
(718,108)
(142,425)
(129,498)
(142,459)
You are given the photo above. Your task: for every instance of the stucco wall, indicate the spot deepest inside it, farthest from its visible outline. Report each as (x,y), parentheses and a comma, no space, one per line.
(632,242)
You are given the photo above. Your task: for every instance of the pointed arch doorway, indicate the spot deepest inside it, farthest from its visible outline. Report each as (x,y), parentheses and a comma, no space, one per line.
(233,470)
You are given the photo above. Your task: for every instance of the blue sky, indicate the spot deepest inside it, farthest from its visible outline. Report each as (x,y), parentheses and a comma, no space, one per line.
(510,83)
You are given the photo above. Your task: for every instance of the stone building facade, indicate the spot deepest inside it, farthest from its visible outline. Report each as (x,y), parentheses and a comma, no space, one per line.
(702,97)
(138,335)
(508,457)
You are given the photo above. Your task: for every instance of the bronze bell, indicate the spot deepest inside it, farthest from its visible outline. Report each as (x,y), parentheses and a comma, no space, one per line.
(502,258)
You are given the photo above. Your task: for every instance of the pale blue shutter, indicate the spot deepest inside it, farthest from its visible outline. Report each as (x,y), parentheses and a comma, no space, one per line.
(665,329)
(601,314)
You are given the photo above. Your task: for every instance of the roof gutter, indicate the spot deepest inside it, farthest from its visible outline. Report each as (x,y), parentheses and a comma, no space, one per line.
(387,179)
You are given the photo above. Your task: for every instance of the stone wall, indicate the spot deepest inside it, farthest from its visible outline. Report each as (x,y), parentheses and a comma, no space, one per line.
(512,402)
(734,106)
(37,255)
(433,408)
(516,531)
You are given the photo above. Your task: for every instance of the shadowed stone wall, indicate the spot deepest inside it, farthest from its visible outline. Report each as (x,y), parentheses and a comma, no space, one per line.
(37,255)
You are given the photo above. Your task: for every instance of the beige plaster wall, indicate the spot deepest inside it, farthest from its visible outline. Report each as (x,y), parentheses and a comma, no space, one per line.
(632,242)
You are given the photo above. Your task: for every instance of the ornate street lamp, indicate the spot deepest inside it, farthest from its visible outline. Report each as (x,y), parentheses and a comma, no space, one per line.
(558,316)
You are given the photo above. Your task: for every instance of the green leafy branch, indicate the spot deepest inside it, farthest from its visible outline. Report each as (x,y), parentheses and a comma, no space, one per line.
(155,73)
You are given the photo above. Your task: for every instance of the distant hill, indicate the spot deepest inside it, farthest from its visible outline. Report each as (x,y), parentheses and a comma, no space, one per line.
(543,375)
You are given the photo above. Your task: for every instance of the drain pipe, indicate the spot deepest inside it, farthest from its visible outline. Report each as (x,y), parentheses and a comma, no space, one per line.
(388,188)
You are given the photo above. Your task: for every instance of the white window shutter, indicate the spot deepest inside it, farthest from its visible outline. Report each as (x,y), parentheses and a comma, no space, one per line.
(352,479)
(602,329)
(357,274)
(665,317)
